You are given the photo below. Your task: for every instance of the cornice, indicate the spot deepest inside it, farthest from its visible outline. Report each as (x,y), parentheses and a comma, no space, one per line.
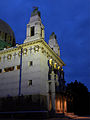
(41,41)
(57,57)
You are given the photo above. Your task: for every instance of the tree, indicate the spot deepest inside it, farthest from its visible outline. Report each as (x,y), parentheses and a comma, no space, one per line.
(78,98)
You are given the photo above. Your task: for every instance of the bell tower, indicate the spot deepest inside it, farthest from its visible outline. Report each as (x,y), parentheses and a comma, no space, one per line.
(53,44)
(35,28)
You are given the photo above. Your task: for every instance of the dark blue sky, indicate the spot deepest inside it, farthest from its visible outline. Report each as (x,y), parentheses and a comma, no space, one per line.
(69,19)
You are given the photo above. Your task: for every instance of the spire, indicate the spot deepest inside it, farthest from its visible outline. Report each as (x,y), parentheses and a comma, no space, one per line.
(53,44)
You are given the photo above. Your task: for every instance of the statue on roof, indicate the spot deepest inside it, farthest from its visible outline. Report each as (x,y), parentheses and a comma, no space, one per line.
(35,11)
(35,8)
(52,35)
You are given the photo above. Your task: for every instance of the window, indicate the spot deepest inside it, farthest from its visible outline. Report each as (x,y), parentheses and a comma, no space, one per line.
(55,77)
(0,70)
(41,31)
(6,69)
(18,67)
(30,63)
(29,82)
(32,31)
(9,69)
(49,76)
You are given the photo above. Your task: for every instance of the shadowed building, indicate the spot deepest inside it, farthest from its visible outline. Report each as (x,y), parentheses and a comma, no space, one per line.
(34,68)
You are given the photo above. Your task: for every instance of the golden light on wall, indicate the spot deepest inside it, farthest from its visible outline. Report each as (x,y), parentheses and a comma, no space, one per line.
(55,65)
(50,62)
(17,67)
(58,67)
(58,105)
(65,105)
(61,105)
(50,104)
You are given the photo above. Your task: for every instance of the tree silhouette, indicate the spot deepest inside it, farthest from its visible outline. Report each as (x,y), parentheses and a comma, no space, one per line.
(78,98)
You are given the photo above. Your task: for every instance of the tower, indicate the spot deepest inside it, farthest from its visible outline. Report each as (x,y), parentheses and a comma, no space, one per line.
(53,44)
(35,29)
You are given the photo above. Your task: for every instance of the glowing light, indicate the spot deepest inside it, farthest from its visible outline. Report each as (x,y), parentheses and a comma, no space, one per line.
(58,67)
(55,65)
(58,105)
(61,105)
(50,61)
(65,106)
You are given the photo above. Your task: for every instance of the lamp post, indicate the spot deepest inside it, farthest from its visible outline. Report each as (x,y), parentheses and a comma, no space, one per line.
(20,77)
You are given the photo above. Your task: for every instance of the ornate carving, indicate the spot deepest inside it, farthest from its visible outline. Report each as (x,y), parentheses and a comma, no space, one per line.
(36,48)
(9,56)
(25,51)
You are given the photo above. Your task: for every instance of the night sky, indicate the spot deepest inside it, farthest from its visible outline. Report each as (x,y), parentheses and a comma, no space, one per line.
(69,19)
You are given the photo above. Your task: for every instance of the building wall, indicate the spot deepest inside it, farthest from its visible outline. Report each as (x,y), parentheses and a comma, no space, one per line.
(39,53)
(38,73)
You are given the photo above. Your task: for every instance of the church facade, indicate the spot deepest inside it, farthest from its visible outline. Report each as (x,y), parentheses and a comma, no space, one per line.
(34,68)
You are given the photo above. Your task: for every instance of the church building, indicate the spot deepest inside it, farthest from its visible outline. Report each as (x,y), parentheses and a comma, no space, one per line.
(33,68)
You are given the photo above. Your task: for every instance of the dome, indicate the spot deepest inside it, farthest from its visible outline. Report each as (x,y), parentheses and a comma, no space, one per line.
(6,34)
(4,27)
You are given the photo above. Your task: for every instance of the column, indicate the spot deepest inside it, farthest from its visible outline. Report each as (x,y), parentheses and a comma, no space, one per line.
(48,101)
(48,97)
(38,29)
(42,33)
(53,91)
(28,30)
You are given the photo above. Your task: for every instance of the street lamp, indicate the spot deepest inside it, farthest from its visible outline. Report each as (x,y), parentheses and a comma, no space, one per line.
(20,77)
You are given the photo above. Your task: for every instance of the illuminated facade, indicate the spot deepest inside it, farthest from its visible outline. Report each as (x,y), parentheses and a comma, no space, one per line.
(34,68)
